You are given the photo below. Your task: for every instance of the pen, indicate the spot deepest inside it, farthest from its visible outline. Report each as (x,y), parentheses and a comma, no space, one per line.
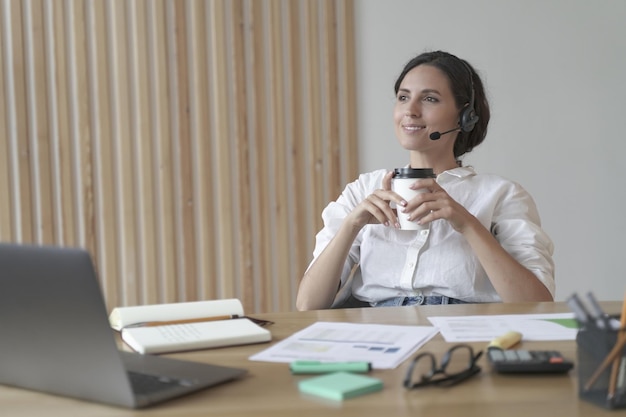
(182,321)
(317,367)
(621,338)
(603,321)
(580,312)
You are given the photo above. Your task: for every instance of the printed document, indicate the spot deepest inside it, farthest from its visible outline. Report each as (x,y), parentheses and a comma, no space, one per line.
(559,326)
(385,346)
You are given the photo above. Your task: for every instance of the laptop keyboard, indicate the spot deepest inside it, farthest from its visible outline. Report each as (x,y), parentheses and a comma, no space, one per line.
(149,384)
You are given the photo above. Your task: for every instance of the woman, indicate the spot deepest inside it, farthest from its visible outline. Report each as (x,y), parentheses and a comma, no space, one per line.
(484,241)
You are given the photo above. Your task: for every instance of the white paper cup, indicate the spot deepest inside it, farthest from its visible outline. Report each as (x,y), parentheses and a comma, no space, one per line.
(402,180)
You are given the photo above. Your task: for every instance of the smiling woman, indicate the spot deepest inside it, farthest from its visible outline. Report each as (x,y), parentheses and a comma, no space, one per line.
(424,106)
(481,239)
(459,87)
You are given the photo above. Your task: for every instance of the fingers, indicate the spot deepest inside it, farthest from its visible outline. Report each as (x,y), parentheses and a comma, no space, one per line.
(426,213)
(435,205)
(392,196)
(376,207)
(387,181)
(420,214)
(377,204)
(427,205)
(425,183)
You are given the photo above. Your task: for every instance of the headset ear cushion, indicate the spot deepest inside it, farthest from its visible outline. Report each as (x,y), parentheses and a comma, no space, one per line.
(468,119)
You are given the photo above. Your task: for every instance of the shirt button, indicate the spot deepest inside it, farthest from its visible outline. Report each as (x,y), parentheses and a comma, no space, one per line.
(411,265)
(424,232)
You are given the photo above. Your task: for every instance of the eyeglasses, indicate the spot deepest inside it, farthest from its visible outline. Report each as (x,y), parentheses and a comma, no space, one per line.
(457,365)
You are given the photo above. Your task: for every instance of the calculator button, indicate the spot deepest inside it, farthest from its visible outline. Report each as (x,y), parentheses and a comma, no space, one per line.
(510,355)
(496,354)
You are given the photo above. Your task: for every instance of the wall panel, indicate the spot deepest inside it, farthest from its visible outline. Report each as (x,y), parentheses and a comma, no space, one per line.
(189,145)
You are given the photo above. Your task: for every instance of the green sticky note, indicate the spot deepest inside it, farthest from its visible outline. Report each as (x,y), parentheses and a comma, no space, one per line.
(340,385)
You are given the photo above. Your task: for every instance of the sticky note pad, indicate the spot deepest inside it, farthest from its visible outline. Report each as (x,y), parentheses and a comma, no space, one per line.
(340,385)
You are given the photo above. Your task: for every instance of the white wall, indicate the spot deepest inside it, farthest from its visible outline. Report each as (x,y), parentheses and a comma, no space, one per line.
(555,73)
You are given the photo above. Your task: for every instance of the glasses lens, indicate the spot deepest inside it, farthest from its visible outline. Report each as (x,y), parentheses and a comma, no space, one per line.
(422,369)
(457,365)
(459,359)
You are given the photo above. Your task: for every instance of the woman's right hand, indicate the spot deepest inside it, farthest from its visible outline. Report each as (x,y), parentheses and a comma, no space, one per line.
(375,209)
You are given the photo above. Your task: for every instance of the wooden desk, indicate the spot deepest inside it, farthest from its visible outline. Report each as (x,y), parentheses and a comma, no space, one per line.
(271,390)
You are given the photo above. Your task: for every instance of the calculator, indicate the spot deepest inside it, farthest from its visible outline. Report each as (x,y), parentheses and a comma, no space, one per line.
(528,361)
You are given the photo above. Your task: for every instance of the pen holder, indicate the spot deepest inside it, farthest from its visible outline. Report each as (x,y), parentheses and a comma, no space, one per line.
(594,344)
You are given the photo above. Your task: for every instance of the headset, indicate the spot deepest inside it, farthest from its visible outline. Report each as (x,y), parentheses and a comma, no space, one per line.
(468,116)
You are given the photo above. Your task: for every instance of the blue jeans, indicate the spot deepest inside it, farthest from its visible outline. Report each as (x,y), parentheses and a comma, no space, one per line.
(417,300)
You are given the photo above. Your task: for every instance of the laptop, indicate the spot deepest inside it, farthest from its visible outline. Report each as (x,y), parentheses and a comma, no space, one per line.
(55,336)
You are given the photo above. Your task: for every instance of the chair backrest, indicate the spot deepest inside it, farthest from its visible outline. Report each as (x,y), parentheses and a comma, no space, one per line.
(344,297)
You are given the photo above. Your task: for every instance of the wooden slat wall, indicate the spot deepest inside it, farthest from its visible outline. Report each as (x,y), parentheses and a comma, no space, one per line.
(189,145)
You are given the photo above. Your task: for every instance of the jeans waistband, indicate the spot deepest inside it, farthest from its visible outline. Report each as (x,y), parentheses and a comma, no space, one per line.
(418,300)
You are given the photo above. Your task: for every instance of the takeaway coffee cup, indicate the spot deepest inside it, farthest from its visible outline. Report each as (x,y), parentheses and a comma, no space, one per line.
(402,180)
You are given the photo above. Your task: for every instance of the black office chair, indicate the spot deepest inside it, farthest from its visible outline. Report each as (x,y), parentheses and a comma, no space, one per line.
(344,297)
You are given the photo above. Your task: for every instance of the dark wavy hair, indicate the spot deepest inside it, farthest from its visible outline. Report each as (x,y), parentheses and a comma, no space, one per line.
(458,73)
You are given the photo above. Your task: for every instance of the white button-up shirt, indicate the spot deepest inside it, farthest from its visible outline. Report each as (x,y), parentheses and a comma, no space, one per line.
(439,261)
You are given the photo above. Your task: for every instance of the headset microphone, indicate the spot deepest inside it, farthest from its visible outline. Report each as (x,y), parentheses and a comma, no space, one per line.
(437,135)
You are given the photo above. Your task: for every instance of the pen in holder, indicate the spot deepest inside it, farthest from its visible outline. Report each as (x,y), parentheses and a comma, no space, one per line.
(602,365)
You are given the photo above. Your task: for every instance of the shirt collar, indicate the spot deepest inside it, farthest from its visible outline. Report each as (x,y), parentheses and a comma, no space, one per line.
(458,173)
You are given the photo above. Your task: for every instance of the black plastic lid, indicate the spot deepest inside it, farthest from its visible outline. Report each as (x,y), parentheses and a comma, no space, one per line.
(413,173)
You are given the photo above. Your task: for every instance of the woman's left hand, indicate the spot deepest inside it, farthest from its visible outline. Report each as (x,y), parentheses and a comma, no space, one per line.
(434,204)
